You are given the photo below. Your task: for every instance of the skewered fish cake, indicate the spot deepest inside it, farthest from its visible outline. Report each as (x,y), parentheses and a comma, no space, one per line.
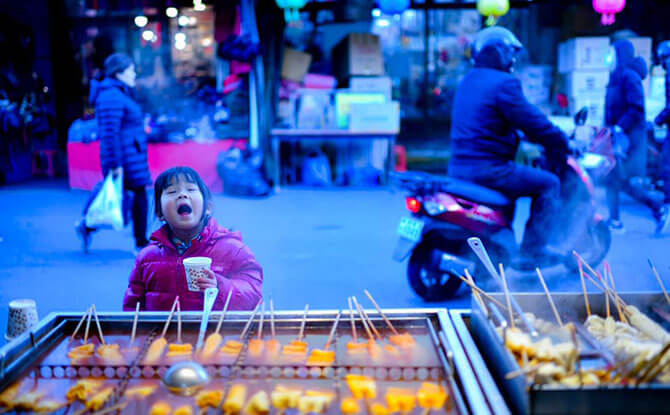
(209,398)
(431,395)
(349,406)
(183,410)
(155,352)
(160,408)
(83,389)
(140,391)
(235,399)
(99,398)
(400,400)
(284,398)
(176,350)
(362,387)
(259,404)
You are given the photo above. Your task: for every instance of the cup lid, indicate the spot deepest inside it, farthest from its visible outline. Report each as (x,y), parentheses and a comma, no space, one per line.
(198,260)
(22,303)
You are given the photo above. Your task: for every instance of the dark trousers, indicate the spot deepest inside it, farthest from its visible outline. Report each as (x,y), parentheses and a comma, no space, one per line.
(614,183)
(515,181)
(665,168)
(138,206)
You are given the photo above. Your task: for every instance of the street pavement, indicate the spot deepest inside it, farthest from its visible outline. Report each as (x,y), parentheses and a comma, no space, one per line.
(316,247)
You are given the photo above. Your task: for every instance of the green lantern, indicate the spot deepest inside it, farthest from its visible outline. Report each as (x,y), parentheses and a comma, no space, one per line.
(492,9)
(291,8)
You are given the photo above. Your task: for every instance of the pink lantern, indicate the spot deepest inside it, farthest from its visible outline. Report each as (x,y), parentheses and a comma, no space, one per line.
(608,8)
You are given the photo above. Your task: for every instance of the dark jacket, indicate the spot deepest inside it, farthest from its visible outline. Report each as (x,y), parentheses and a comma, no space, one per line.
(121,131)
(488,108)
(624,102)
(159,276)
(664,116)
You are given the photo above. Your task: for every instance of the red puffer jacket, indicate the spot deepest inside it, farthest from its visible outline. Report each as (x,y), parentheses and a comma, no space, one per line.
(159,276)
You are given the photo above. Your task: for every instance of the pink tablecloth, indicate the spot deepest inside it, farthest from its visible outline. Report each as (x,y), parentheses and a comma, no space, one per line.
(84,161)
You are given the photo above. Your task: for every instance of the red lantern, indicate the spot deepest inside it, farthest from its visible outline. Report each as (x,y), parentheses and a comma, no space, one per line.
(608,8)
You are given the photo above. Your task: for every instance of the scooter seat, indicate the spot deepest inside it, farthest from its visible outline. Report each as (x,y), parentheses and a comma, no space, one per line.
(476,193)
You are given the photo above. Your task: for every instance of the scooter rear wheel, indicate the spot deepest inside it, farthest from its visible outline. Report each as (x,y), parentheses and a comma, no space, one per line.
(595,248)
(424,276)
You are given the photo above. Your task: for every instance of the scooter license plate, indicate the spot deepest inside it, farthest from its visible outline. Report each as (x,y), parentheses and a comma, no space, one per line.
(410,229)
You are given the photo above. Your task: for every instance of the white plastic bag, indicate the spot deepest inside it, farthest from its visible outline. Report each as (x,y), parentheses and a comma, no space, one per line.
(106,208)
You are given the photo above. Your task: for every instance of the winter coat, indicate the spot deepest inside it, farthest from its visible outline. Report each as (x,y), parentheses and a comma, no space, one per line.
(624,102)
(664,116)
(489,106)
(159,275)
(121,131)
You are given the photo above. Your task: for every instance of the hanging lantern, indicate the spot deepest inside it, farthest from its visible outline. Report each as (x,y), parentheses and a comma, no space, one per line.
(393,6)
(492,9)
(608,8)
(291,7)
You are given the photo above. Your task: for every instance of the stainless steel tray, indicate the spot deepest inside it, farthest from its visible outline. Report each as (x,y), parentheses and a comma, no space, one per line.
(491,361)
(39,354)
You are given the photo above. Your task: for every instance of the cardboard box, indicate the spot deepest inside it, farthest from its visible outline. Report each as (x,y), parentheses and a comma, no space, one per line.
(653,107)
(657,87)
(358,54)
(383,117)
(536,82)
(295,64)
(643,48)
(583,53)
(345,98)
(595,103)
(381,84)
(586,81)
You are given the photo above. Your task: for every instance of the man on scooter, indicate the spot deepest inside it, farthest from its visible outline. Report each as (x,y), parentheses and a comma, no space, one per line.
(489,108)
(663,55)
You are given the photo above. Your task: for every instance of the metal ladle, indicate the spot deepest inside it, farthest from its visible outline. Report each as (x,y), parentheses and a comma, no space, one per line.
(187,378)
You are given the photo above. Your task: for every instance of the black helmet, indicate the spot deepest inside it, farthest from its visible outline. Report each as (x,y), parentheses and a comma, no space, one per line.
(663,52)
(496,47)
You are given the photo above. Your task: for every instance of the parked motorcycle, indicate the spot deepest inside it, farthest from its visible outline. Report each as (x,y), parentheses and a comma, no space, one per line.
(445,212)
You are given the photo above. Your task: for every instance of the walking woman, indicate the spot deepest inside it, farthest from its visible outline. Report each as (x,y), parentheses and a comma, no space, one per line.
(123,144)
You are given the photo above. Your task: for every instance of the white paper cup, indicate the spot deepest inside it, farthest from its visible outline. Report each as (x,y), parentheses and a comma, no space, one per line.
(194,269)
(22,317)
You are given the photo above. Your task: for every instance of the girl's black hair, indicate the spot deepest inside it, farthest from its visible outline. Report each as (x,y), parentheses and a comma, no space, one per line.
(164,180)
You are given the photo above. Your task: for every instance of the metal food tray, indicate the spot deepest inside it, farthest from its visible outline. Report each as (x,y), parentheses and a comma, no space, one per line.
(491,360)
(41,355)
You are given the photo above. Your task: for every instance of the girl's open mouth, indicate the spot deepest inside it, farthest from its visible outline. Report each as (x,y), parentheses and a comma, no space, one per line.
(184,210)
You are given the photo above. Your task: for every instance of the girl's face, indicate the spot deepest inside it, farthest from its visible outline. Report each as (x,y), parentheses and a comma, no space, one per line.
(182,205)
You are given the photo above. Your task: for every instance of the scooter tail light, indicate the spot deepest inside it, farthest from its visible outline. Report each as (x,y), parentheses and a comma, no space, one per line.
(413,204)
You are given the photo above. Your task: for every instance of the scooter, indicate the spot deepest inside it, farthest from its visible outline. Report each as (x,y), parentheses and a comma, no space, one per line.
(445,212)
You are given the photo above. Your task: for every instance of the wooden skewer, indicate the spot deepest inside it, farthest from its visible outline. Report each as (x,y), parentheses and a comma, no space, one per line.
(482,292)
(225,309)
(475,293)
(351,319)
(178,321)
(607,303)
(370,324)
(660,281)
(272,319)
(524,371)
(507,299)
(622,316)
(97,323)
(81,322)
(111,409)
(260,325)
(365,323)
(169,319)
(302,323)
(551,300)
(251,318)
(586,297)
(88,324)
(137,314)
(388,322)
(332,330)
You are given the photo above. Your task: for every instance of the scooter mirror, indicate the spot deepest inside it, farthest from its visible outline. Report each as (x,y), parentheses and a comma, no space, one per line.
(581,116)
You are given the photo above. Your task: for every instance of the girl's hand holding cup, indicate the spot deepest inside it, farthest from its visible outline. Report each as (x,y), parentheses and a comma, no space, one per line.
(208,280)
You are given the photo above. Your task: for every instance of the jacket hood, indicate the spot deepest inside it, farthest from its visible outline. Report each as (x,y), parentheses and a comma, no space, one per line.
(625,53)
(211,233)
(640,66)
(98,86)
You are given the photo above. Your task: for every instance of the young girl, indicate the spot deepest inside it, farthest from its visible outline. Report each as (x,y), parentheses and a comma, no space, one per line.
(183,202)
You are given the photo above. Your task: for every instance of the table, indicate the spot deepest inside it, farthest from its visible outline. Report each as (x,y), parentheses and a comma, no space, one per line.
(278,135)
(85,171)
